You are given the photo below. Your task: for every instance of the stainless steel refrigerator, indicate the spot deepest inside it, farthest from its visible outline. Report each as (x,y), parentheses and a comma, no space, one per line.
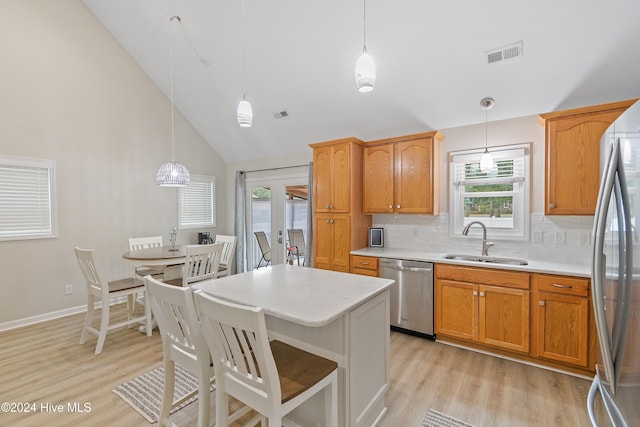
(614,397)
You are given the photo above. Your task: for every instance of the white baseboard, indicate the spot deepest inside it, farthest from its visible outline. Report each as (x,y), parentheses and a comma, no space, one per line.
(13,324)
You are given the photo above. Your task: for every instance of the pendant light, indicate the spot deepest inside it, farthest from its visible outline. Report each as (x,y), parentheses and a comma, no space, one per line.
(365,67)
(172,174)
(245,112)
(486,161)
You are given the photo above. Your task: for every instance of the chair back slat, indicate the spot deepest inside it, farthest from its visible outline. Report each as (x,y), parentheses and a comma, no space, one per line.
(137,243)
(226,258)
(237,339)
(90,271)
(202,262)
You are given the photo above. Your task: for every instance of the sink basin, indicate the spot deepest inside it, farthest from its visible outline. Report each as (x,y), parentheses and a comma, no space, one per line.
(487,259)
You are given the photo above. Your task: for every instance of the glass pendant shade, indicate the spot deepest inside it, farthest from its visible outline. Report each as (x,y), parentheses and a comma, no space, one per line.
(486,161)
(365,72)
(173,174)
(245,113)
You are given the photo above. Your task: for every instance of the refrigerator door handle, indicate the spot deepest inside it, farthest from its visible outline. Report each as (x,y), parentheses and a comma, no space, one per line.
(599,266)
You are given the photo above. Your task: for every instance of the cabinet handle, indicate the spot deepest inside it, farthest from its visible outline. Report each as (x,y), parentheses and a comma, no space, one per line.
(390,206)
(552,205)
(540,302)
(482,293)
(397,206)
(327,221)
(475,293)
(328,207)
(364,263)
(558,285)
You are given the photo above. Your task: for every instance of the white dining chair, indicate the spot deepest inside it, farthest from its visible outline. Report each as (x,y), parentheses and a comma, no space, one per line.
(201,263)
(137,243)
(273,378)
(106,292)
(226,259)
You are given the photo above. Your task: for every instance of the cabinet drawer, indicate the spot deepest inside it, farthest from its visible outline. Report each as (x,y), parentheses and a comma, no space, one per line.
(578,286)
(483,276)
(364,265)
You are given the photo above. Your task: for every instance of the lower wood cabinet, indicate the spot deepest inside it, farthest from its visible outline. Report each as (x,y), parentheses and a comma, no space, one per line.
(365,265)
(332,250)
(561,312)
(482,305)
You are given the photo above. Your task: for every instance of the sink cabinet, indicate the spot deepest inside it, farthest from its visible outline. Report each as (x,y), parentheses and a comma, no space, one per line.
(572,156)
(483,305)
(401,174)
(561,314)
(339,224)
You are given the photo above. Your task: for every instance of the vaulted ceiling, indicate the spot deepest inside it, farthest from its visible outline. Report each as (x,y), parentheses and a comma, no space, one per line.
(431,57)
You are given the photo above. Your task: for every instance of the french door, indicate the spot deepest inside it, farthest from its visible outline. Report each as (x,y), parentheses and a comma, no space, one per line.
(276,204)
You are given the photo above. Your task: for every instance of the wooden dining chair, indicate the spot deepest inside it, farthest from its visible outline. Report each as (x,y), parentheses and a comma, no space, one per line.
(106,292)
(226,258)
(265,248)
(201,263)
(273,378)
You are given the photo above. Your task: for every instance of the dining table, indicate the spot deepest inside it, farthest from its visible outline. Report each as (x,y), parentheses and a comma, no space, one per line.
(340,316)
(170,258)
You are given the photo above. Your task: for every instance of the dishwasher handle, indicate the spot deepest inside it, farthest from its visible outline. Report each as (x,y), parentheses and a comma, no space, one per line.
(400,268)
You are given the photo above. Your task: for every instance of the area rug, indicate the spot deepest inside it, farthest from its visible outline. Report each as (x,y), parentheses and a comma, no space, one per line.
(144,393)
(434,418)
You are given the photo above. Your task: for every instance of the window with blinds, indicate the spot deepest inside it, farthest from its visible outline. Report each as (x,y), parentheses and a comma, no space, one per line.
(498,198)
(197,203)
(27,202)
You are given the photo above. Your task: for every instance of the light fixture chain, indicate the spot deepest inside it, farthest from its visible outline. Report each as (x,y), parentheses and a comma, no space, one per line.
(173,149)
(364,25)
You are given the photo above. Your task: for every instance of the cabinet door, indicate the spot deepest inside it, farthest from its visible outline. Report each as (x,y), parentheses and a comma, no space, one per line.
(322,179)
(562,328)
(456,309)
(378,179)
(341,182)
(341,242)
(323,242)
(504,317)
(573,162)
(414,176)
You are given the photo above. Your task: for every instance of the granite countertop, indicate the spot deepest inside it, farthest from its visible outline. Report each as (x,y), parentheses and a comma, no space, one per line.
(533,266)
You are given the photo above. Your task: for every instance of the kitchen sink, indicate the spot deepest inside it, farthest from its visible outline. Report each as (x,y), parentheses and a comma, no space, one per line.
(487,259)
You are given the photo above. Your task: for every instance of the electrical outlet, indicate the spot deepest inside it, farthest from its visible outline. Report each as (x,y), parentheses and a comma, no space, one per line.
(68,289)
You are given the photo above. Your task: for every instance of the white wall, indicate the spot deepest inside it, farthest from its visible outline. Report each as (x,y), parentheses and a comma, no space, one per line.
(70,93)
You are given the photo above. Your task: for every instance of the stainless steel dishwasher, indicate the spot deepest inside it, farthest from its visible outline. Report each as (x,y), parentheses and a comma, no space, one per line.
(411,295)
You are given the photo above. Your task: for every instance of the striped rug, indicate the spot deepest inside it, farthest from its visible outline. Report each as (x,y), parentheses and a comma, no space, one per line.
(434,418)
(144,393)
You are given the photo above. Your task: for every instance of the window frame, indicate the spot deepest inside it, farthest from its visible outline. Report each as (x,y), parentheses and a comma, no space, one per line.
(32,164)
(182,193)
(521,194)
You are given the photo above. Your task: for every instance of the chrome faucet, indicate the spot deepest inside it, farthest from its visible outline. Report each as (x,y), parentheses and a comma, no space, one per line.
(485,245)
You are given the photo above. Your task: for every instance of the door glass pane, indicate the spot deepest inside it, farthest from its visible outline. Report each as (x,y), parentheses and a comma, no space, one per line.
(296,209)
(260,218)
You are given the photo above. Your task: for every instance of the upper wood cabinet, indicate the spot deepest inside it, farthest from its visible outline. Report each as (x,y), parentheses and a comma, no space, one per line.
(339,225)
(572,149)
(402,174)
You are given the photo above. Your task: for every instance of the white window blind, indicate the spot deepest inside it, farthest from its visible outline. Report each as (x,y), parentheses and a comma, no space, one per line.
(196,206)
(27,203)
(498,198)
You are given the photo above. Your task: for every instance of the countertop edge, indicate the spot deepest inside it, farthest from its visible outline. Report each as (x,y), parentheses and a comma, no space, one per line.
(534,266)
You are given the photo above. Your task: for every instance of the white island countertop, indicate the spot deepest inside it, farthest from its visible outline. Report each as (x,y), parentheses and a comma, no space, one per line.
(534,266)
(306,296)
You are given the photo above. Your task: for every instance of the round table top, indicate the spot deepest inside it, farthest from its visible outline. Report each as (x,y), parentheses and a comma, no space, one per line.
(157,253)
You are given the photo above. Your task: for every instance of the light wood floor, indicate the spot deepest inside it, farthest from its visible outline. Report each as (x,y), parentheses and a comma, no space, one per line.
(44,363)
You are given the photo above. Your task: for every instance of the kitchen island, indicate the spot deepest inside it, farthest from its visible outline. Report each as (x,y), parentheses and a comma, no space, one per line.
(343,317)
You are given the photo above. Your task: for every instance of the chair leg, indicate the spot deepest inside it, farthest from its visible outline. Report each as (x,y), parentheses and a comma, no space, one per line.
(89,319)
(131,306)
(148,316)
(331,401)
(167,395)
(204,397)
(222,407)
(104,325)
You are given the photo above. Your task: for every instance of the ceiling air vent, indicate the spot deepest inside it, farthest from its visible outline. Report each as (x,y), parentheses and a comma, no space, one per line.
(281,114)
(504,53)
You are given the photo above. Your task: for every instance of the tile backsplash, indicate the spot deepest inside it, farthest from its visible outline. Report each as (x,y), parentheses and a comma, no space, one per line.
(564,239)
